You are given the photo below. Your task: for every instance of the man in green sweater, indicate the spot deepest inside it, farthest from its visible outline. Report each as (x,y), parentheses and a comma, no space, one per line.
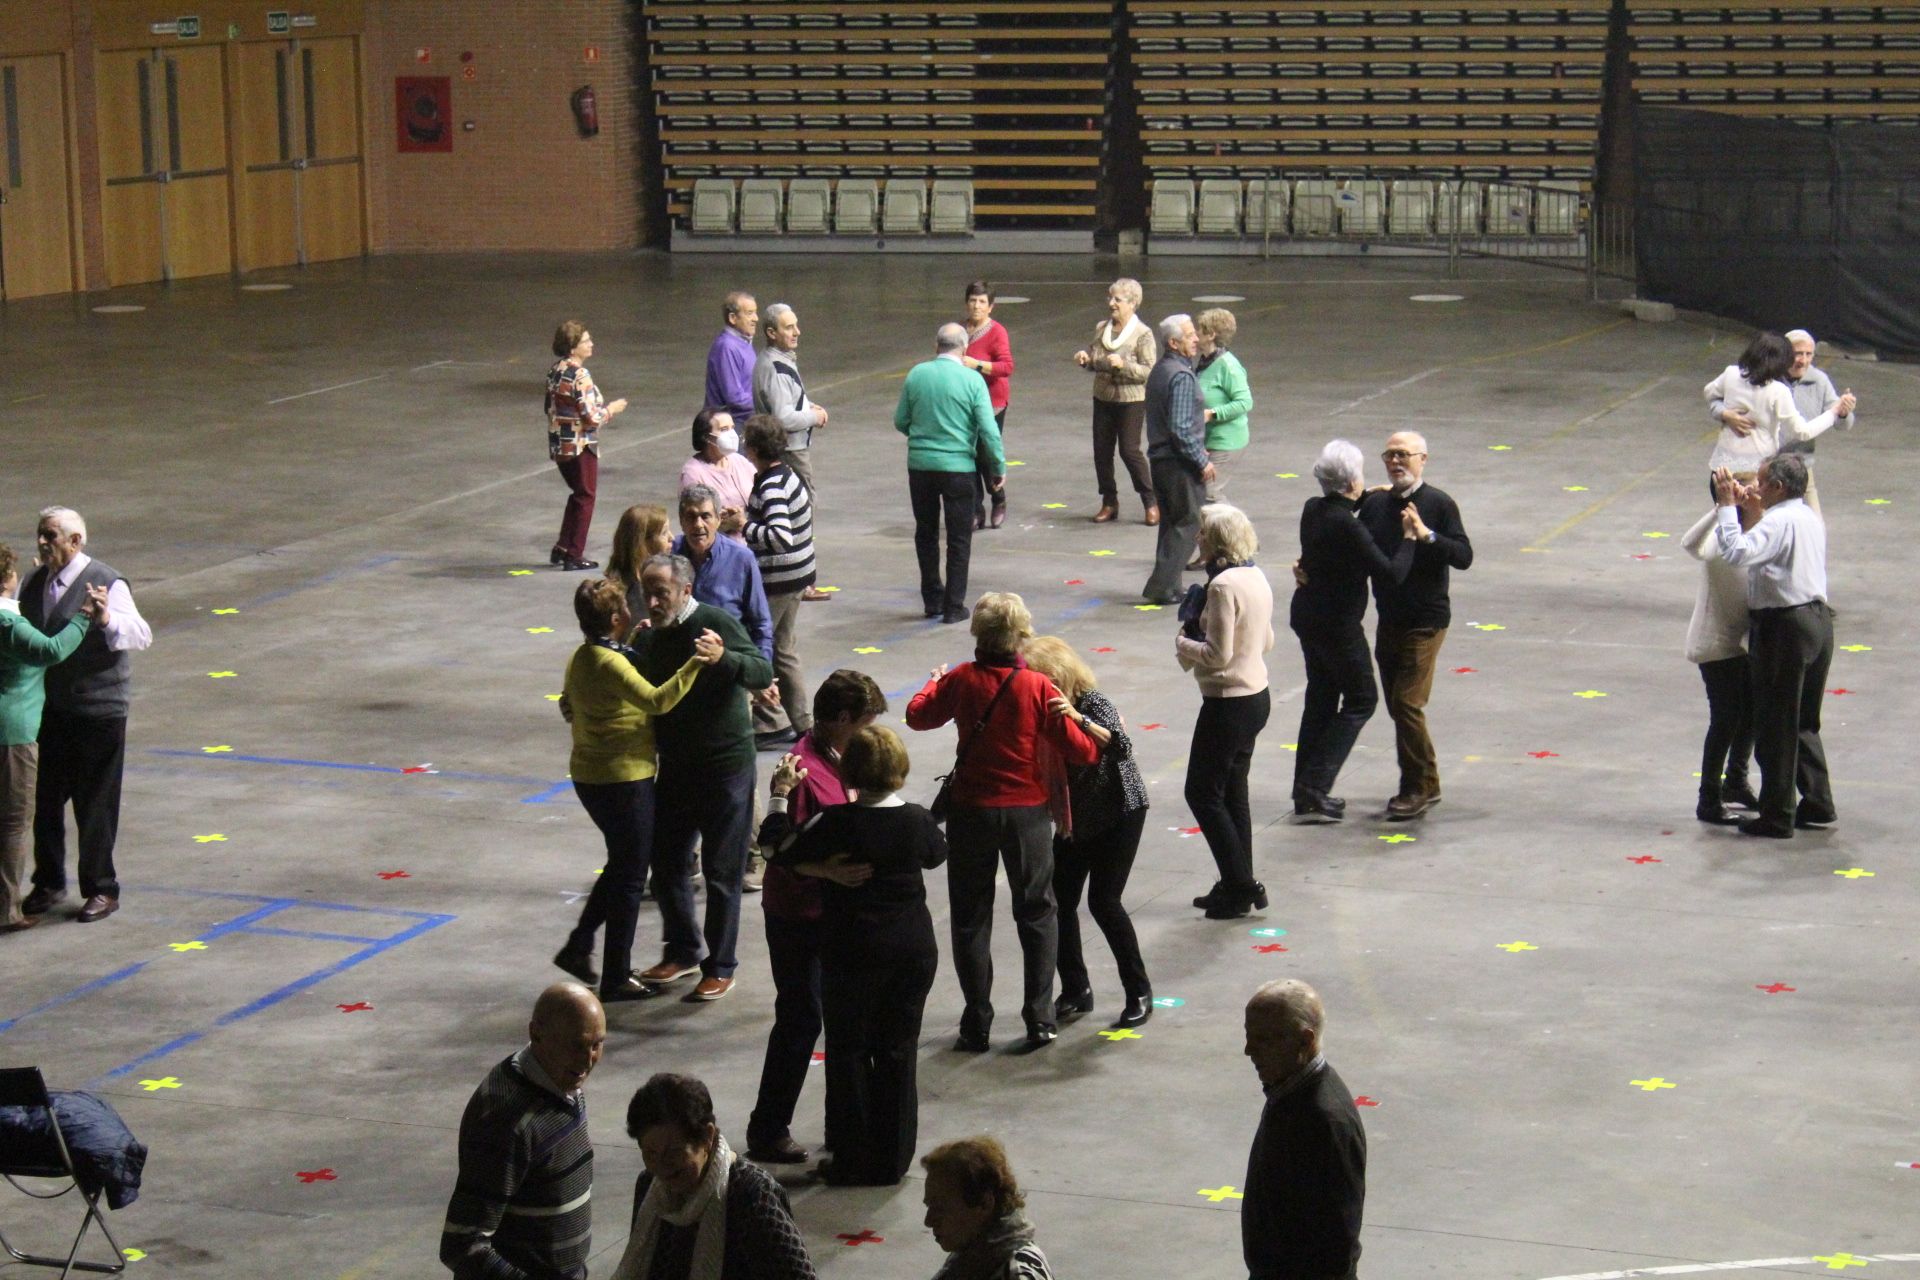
(25,654)
(705,785)
(945,415)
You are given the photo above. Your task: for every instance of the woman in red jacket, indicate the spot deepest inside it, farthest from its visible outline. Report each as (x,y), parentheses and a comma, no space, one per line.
(990,354)
(1009,774)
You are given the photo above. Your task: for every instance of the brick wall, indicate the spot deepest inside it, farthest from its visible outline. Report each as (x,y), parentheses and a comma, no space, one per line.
(522,178)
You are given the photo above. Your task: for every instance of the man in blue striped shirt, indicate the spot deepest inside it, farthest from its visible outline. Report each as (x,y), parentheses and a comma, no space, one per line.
(1177,456)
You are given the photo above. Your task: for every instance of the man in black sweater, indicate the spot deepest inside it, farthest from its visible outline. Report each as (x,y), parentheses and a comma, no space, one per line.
(1307,1172)
(1413,615)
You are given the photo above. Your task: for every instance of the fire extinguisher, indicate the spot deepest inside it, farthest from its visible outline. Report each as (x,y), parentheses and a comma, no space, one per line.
(586,111)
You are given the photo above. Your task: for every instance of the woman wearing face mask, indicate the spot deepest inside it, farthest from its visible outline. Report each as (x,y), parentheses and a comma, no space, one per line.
(717,464)
(700,1212)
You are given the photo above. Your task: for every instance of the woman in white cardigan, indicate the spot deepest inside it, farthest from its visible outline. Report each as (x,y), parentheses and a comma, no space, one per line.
(1757,387)
(1717,642)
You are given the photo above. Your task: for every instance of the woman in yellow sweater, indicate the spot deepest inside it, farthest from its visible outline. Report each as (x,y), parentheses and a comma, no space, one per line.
(611,708)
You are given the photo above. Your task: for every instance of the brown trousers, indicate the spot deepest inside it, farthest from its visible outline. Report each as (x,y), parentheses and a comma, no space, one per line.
(1406,657)
(19,771)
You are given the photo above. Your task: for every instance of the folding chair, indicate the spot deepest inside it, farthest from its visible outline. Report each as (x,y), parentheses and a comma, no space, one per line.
(25,1087)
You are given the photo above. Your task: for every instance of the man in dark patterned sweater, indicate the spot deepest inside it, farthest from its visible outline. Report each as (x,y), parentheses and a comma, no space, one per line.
(522,1208)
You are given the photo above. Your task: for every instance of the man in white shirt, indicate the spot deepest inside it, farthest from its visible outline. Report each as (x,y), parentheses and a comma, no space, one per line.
(83,731)
(1813,395)
(1785,555)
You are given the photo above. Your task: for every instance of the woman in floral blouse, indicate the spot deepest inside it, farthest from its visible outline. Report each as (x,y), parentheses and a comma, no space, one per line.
(575,412)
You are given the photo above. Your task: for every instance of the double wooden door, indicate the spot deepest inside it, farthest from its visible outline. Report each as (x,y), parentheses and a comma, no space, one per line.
(36,209)
(163,155)
(297,130)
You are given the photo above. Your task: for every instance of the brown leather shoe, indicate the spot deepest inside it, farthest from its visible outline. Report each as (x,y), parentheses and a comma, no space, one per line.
(709,990)
(1407,808)
(21,925)
(1107,514)
(98,907)
(784,1151)
(1153,515)
(666,971)
(41,901)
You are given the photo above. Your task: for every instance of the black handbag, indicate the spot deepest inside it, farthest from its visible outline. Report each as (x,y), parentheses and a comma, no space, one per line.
(943,798)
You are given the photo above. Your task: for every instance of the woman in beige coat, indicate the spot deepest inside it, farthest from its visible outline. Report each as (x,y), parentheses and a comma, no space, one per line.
(1120,357)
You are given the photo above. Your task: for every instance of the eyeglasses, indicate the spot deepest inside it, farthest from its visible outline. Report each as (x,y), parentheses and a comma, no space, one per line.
(1400,455)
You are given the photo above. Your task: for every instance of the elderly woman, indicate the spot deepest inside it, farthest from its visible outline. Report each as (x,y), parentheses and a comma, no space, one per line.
(1717,643)
(643,532)
(1338,558)
(1225,645)
(699,1211)
(1223,391)
(1109,812)
(1008,775)
(25,654)
(575,413)
(976,1213)
(1120,357)
(1764,418)
(610,706)
(718,464)
(878,955)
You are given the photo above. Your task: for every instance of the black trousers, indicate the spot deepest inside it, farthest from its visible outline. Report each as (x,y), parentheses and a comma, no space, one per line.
(1791,650)
(873,1006)
(1341,697)
(986,470)
(793,949)
(938,494)
(1729,745)
(1100,864)
(1179,493)
(1217,765)
(624,813)
(979,841)
(81,762)
(1122,425)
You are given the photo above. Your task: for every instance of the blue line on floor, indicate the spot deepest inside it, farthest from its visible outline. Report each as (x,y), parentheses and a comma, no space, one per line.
(273,907)
(117,976)
(179,1042)
(295,762)
(269,932)
(551,793)
(273,597)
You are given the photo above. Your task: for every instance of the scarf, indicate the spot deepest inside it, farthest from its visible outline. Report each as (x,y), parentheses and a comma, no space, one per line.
(707,1206)
(1126,337)
(986,1256)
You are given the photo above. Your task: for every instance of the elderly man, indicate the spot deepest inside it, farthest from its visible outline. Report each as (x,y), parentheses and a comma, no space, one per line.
(779,529)
(1791,643)
(1813,395)
(1307,1172)
(778,390)
(83,730)
(704,788)
(947,418)
(523,1205)
(1176,455)
(726,574)
(1413,615)
(730,361)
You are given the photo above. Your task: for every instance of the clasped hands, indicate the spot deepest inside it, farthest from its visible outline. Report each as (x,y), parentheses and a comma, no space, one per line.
(840,867)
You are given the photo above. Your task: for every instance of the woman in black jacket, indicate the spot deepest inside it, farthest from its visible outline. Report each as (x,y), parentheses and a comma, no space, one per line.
(1337,558)
(878,957)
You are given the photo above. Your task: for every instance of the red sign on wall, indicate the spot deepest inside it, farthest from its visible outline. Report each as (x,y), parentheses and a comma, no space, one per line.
(423,107)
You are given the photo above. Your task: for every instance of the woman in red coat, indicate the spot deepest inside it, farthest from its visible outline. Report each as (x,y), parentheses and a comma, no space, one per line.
(989,353)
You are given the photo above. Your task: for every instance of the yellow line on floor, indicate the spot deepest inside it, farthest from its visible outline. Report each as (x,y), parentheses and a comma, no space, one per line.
(1664,467)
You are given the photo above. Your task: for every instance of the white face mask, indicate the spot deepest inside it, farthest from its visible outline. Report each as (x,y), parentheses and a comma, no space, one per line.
(727,441)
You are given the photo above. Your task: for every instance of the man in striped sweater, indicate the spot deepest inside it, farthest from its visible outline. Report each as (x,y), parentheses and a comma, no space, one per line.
(779,529)
(522,1208)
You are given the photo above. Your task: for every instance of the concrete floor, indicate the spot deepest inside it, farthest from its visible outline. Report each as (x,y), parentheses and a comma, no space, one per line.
(355,465)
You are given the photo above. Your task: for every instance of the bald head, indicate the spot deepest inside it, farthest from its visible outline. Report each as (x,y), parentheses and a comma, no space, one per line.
(1283,1022)
(567,1031)
(950,338)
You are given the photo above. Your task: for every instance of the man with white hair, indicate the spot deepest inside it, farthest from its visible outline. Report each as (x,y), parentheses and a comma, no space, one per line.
(1813,395)
(1176,456)
(1307,1173)
(83,730)
(779,391)
(947,418)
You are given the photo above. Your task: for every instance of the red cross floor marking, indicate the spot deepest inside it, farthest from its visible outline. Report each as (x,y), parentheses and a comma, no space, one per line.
(1076,582)
(394,875)
(1465,671)
(1190,831)
(1644,859)
(1105,648)
(418,768)
(1544,755)
(1774,989)
(1643,556)
(1268,948)
(358,1006)
(1364,1101)
(865,1236)
(311,1176)
(1666,833)
(1155,725)
(818,1057)
(1839,693)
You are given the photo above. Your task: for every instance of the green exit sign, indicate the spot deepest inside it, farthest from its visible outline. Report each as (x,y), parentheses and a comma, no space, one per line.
(188,29)
(279,23)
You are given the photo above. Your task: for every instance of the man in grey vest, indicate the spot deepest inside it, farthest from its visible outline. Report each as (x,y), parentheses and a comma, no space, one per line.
(1177,456)
(83,731)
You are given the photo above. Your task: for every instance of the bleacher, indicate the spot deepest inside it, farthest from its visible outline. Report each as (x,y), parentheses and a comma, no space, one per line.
(1810,64)
(904,116)
(1476,91)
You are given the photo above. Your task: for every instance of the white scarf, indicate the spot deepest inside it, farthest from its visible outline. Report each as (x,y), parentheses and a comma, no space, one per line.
(706,1206)
(1126,337)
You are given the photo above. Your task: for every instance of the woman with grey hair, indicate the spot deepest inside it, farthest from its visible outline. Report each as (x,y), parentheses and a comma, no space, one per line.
(1120,357)
(1337,559)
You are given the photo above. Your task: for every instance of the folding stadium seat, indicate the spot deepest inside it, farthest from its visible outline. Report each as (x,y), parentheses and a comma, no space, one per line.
(1556,209)
(952,211)
(1509,209)
(1363,207)
(1172,212)
(1313,206)
(760,206)
(904,208)
(1267,206)
(713,205)
(1219,211)
(1458,209)
(856,202)
(809,201)
(1410,208)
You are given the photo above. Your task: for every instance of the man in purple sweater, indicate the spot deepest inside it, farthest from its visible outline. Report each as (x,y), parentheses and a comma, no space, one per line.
(730,362)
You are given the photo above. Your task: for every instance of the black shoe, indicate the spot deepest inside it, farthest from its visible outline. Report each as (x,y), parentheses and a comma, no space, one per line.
(933,611)
(1042,1034)
(556,556)
(782,1151)
(1761,827)
(1211,896)
(1072,1003)
(955,615)
(1311,807)
(1713,811)
(574,566)
(1139,1009)
(1808,821)
(628,988)
(972,1042)
(1229,908)
(1259,896)
(776,738)
(40,901)
(579,964)
(1739,793)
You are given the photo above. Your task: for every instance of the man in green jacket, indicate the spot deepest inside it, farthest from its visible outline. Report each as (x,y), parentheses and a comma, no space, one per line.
(945,415)
(25,654)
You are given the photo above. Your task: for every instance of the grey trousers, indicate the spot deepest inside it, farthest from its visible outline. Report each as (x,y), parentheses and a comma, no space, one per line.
(1180,495)
(801,460)
(795,698)
(19,771)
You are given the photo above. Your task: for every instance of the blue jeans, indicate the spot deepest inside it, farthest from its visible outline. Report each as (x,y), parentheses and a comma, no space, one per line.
(718,811)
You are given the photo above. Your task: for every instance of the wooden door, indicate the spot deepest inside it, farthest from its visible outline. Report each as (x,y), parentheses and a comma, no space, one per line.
(266,132)
(36,208)
(196,194)
(163,160)
(132,157)
(330,202)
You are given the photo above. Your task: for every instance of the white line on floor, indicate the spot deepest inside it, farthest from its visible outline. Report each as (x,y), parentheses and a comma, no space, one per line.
(1695,1268)
(338,386)
(1386,390)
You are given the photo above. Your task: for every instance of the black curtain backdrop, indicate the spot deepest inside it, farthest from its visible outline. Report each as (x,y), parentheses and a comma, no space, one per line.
(1782,225)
